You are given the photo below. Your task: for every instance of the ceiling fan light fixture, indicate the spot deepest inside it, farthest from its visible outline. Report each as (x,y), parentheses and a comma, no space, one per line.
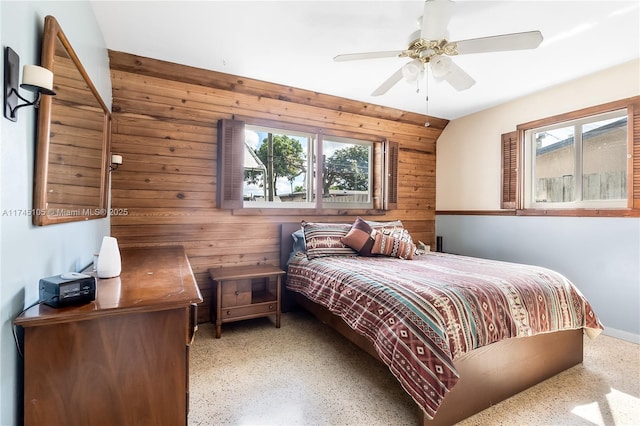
(411,71)
(440,66)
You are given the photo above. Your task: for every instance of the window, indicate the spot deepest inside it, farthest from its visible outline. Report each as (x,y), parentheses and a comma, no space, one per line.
(346,173)
(270,167)
(577,164)
(278,168)
(581,163)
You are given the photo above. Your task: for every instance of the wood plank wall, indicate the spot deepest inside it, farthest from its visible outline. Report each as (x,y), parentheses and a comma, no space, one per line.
(164,125)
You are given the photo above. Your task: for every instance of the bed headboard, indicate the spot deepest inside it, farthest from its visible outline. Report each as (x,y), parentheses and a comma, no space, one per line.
(286,242)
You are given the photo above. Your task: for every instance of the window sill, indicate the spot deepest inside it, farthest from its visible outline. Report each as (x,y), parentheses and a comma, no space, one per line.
(580,212)
(546,212)
(307,212)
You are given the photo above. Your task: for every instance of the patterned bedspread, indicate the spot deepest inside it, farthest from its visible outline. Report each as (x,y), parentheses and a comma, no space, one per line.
(424,313)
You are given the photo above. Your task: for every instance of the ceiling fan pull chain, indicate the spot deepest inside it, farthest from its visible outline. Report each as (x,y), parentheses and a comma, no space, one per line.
(426,96)
(426,88)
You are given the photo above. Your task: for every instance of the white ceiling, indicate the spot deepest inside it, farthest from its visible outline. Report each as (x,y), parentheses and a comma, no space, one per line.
(294,42)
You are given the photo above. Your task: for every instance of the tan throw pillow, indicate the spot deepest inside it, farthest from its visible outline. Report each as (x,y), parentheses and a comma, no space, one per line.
(394,244)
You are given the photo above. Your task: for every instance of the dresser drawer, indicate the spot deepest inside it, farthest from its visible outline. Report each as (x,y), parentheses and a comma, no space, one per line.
(236,293)
(246,311)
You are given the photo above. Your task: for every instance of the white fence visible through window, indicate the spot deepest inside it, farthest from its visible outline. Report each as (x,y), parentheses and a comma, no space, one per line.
(595,186)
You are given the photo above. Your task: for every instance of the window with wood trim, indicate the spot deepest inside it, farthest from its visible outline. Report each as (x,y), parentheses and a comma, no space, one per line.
(347,173)
(580,163)
(278,168)
(583,161)
(268,167)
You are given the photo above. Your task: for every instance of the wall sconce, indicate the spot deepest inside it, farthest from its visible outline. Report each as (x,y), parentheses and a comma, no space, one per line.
(116,160)
(34,78)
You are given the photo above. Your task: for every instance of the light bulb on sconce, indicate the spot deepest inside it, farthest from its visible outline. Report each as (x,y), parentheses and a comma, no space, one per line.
(116,160)
(34,78)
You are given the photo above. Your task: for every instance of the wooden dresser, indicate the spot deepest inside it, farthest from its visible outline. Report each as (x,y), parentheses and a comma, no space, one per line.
(122,359)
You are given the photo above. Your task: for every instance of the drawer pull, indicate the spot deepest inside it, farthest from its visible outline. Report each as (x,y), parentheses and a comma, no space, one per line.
(228,312)
(237,293)
(270,307)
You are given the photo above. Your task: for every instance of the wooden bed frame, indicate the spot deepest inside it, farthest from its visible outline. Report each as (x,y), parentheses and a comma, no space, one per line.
(488,375)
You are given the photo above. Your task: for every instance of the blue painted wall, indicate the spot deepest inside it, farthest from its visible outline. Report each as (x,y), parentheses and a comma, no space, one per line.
(27,252)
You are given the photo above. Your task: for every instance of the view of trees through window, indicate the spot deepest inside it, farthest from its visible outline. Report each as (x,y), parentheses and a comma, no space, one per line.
(279,167)
(273,166)
(346,172)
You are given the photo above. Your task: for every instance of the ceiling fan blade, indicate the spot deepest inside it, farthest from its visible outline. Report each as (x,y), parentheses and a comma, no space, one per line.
(444,68)
(435,19)
(367,55)
(516,41)
(388,83)
(459,79)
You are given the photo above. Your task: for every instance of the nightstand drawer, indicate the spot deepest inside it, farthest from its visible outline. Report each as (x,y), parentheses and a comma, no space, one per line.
(236,293)
(244,311)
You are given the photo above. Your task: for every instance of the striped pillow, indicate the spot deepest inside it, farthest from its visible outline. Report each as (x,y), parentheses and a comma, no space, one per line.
(324,239)
(395,226)
(393,243)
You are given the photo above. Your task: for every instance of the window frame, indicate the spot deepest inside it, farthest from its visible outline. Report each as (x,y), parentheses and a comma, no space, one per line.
(515,171)
(320,163)
(384,171)
(530,158)
(311,144)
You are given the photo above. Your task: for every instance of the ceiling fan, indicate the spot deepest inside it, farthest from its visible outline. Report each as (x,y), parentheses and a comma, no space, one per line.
(430,45)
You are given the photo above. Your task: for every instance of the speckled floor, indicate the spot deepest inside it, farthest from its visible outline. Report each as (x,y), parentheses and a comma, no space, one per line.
(306,374)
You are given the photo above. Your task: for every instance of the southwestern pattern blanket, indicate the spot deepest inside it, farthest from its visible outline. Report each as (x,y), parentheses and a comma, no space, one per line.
(424,313)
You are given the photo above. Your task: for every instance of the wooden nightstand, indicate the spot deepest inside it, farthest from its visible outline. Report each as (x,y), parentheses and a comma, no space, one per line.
(243,292)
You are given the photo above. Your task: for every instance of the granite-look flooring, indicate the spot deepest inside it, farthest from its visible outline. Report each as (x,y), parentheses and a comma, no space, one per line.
(306,374)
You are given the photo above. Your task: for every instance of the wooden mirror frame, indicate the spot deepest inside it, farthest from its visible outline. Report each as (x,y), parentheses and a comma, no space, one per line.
(45,211)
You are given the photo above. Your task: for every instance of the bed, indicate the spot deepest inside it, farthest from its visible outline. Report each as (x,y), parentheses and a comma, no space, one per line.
(455,357)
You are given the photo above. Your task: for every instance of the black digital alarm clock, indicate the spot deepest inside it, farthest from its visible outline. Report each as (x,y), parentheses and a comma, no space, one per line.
(67,289)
